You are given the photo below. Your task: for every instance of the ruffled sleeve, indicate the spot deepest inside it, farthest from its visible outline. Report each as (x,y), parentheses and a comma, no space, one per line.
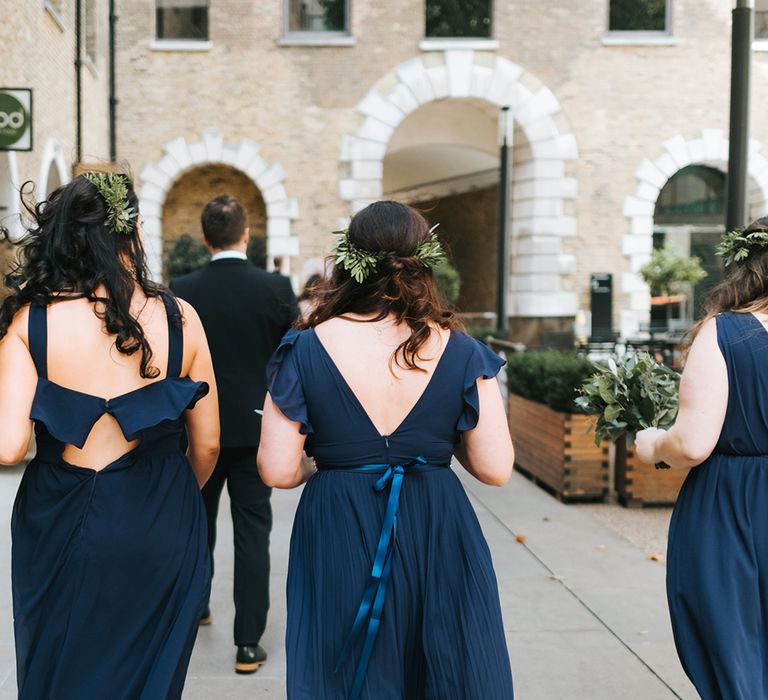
(284,382)
(485,363)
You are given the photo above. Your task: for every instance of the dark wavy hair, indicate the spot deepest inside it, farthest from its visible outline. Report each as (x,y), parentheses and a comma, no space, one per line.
(69,252)
(401,284)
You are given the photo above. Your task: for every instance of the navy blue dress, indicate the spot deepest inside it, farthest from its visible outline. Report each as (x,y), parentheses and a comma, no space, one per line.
(718,537)
(110,568)
(391,589)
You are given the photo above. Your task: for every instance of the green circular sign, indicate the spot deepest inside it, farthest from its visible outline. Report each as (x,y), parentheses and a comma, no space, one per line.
(14,120)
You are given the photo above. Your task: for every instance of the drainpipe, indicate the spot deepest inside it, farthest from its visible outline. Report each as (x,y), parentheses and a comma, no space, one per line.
(738,151)
(503,232)
(78,82)
(112,90)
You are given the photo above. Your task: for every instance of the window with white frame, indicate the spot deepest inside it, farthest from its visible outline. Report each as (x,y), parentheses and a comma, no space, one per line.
(320,17)
(185,20)
(651,17)
(761,20)
(449,19)
(90,30)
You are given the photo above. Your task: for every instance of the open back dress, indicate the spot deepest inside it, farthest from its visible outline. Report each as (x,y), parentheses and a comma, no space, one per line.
(110,567)
(717,570)
(391,589)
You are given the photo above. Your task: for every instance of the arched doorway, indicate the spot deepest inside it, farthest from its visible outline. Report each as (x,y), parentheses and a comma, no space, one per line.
(708,149)
(189,194)
(541,297)
(9,208)
(181,156)
(443,158)
(689,215)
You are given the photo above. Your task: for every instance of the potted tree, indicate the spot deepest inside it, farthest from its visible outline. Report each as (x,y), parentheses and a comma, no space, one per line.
(669,275)
(551,434)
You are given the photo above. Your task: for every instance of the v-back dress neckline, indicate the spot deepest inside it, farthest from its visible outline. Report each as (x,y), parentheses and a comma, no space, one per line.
(359,404)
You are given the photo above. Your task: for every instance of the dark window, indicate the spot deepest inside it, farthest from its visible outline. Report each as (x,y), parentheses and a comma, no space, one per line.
(317,16)
(761,19)
(637,16)
(458,18)
(182,19)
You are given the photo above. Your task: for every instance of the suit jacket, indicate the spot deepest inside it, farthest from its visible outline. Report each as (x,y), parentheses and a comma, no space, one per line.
(245,311)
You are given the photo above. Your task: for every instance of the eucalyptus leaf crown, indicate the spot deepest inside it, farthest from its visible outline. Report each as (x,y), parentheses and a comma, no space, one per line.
(362,263)
(737,245)
(121,217)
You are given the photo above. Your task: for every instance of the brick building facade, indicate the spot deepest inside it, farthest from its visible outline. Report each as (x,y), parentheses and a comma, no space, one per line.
(315,118)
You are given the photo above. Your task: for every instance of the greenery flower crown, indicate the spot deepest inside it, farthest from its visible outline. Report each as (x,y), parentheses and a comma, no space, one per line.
(362,263)
(114,191)
(736,245)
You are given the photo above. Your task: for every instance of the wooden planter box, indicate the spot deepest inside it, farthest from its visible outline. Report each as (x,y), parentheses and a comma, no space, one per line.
(639,484)
(556,451)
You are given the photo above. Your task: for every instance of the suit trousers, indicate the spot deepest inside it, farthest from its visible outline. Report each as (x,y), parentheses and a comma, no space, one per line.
(252,524)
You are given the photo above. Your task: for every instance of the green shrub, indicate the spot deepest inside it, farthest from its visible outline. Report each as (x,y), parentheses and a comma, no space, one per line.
(448,281)
(186,255)
(549,377)
(257,251)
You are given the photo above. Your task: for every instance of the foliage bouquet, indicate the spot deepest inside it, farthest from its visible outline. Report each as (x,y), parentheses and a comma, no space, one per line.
(629,394)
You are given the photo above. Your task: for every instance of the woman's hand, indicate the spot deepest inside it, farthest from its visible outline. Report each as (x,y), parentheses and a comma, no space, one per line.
(645,444)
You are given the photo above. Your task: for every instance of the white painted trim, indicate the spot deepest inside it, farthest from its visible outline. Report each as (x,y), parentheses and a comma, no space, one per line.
(159,177)
(709,148)
(457,75)
(435,44)
(760,44)
(185,45)
(316,39)
(638,39)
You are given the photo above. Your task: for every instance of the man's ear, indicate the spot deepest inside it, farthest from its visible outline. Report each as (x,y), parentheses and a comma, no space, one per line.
(207,245)
(246,234)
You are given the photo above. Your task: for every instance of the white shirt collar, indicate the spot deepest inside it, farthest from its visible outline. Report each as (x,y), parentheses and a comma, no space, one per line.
(229,255)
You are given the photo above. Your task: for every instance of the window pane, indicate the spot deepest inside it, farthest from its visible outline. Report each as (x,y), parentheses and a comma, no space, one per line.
(693,195)
(182,19)
(458,18)
(638,16)
(317,16)
(761,19)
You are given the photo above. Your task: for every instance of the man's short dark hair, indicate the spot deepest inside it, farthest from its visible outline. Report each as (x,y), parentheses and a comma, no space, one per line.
(223,221)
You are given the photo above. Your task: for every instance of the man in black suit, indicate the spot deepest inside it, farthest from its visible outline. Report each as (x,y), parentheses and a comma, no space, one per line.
(245,312)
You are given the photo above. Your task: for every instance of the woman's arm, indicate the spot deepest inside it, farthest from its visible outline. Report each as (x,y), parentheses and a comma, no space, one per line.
(486,451)
(703,402)
(203,419)
(18,381)
(281,459)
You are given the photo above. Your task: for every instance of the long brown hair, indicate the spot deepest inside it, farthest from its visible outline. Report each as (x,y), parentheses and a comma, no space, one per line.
(400,285)
(745,286)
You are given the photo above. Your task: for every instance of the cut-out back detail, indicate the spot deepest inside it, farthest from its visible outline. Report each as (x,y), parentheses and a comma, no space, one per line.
(69,415)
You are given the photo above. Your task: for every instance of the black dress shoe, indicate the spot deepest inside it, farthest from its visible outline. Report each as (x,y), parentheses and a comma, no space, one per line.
(249,659)
(206,619)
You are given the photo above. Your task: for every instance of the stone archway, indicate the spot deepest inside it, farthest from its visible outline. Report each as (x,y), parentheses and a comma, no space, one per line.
(53,169)
(539,187)
(181,156)
(711,149)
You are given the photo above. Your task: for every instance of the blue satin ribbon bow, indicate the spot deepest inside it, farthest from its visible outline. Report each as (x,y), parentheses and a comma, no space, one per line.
(376,590)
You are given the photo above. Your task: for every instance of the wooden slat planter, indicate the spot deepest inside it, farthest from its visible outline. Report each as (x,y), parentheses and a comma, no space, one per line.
(639,484)
(556,451)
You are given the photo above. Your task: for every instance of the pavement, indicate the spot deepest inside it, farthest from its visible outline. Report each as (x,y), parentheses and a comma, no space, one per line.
(581,587)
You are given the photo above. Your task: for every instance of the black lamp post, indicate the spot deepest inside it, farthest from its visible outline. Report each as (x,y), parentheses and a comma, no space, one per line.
(501,271)
(738,147)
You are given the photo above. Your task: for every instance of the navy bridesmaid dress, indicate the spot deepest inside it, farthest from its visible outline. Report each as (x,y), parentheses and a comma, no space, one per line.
(717,568)
(110,568)
(391,589)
